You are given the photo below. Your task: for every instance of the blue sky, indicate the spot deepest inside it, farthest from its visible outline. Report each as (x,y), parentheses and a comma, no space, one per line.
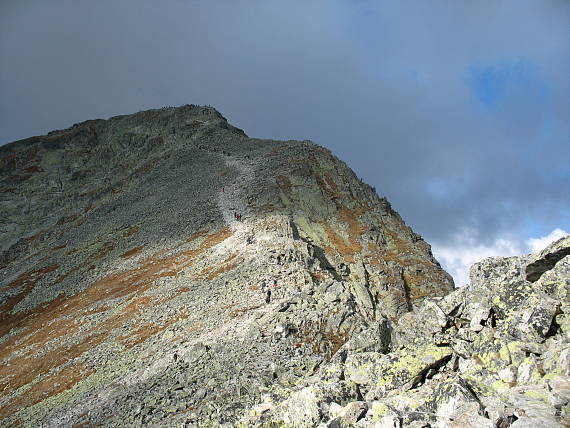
(456,111)
(491,83)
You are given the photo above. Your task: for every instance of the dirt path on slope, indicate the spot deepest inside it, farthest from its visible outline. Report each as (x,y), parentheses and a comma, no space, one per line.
(229,200)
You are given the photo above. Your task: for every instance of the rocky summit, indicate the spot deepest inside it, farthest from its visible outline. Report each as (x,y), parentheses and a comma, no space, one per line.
(164,269)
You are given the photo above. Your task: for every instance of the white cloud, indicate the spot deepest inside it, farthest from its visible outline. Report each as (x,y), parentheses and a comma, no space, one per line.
(458,257)
(537,244)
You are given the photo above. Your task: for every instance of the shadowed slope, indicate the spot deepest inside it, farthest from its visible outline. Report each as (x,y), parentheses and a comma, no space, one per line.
(125,274)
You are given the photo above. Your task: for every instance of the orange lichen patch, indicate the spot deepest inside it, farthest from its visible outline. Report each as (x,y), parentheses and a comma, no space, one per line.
(26,282)
(204,272)
(66,274)
(63,316)
(147,330)
(48,387)
(67,219)
(23,370)
(209,273)
(17,159)
(406,255)
(195,327)
(132,252)
(350,217)
(35,237)
(168,273)
(347,249)
(179,292)
(26,368)
(105,249)
(143,333)
(50,331)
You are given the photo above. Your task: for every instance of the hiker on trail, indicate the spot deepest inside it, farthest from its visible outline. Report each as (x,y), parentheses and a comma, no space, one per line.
(267,291)
(235,215)
(275,283)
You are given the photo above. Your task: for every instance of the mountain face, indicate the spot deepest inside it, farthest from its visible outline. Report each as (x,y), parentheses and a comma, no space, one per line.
(163,269)
(493,355)
(131,294)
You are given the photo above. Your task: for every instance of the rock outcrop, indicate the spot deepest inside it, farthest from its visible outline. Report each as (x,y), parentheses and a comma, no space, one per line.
(130,291)
(495,354)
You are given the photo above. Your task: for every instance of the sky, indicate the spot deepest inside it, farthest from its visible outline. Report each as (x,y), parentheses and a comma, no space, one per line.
(457,111)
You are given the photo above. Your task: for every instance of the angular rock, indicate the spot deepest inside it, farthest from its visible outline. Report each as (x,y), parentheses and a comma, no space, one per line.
(547,258)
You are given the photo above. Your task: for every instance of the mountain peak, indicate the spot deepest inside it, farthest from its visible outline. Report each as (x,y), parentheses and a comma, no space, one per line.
(165,254)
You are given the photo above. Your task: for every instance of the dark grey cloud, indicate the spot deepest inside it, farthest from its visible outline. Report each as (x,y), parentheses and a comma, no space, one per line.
(396,89)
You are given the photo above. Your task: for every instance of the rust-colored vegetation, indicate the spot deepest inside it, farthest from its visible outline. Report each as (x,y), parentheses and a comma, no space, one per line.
(132,252)
(25,283)
(64,380)
(62,319)
(210,273)
(101,252)
(347,248)
(403,253)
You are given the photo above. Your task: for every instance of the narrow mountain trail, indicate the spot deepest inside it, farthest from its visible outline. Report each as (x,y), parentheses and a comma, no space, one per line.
(228,197)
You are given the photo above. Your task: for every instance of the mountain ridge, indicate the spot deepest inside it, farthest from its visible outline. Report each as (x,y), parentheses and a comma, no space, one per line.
(136,258)
(121,251)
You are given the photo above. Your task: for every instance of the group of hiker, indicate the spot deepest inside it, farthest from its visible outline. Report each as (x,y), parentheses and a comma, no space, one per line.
(266,289)
(237,216)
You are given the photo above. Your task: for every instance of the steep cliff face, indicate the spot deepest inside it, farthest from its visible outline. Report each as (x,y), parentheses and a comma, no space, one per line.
(130,292)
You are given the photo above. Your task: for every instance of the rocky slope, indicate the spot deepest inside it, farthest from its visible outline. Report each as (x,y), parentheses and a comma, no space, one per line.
(495,354)
(129,292)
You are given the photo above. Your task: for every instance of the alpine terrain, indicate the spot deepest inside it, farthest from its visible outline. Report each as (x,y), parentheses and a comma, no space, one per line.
(164,269)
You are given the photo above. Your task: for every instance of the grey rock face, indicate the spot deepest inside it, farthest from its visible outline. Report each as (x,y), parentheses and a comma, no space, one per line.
(129,289)
(496,354)
(546,259)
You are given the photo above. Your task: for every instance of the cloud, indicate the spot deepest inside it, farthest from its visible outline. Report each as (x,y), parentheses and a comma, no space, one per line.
(395,89)
(458,257)
(537,244)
